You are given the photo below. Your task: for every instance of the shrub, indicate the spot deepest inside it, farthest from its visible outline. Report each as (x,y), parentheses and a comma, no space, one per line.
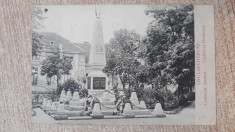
(168,100)
(53,96)
(71,85)
(83,92)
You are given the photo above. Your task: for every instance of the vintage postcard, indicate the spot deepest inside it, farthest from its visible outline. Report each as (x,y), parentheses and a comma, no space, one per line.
(123,65)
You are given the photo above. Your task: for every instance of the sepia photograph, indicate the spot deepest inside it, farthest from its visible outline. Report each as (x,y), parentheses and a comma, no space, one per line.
(114,65)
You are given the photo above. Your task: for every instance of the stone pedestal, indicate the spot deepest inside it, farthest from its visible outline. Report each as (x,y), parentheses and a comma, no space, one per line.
(96,112)
(62,96)
(96,82)
(76,102)
(60,114)
(107,101)
(106,97)
(158,111)
(61,117)
(142,104)
(69,95)
(53,107)
(76,96)
(61,108)
(44,103)
(48,105)
(127,112)
(112,96)
(134,99)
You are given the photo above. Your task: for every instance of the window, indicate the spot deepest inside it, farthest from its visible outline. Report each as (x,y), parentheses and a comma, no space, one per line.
(35,76)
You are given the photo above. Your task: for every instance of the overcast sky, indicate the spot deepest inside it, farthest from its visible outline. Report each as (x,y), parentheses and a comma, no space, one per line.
(76,23)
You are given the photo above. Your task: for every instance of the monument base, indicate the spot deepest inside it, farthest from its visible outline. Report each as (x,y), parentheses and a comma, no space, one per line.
(76,103)
(61,117)
(160,115)
(96,93)
(128,115)
(97,116)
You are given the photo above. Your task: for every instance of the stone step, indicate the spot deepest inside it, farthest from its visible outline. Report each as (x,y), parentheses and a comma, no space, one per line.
(107,103)
(65,117)
(80,118)
(76,103)
(136,112)
(142,112)
(138,107)
(96,93)
(52,112)
(76,108)
(69,113)
(108,112)
(73,113)
(108,107)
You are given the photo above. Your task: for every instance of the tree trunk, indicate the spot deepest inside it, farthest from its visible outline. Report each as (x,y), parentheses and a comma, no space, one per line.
(57,81)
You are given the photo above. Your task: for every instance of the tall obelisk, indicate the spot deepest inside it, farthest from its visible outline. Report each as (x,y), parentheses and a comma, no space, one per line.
(97,58)
(97,79)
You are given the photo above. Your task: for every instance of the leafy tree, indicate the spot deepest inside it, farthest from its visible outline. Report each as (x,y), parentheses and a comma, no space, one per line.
(170,46)
(122,57)
(36,44)
(38,17)
(54,65)
(66,62)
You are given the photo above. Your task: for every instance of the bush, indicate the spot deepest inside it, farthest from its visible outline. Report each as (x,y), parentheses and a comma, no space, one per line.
(139,91)
(83,93)
(53,96)
(151,97)
(71,85)
(168,100)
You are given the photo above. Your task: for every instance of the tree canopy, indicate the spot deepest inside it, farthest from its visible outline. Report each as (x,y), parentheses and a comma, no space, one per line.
(170,46)
(56,65)
(122,54)
(38,17)
(163,57)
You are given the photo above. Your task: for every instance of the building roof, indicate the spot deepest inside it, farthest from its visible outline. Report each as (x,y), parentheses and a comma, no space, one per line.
(86,47)
(52,41)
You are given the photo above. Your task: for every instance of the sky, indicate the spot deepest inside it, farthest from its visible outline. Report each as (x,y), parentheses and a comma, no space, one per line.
(75,23)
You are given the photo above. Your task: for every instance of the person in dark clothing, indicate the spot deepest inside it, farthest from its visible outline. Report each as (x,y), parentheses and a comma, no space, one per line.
(121,103)
(90,102)
(95,100)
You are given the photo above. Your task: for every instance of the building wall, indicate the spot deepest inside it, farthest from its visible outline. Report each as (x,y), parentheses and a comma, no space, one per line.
(77,71)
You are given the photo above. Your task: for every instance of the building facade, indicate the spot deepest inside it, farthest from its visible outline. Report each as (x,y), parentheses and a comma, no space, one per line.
(88,60)
(51,42)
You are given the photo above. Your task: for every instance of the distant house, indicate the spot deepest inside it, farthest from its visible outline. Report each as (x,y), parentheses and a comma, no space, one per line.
(79,53)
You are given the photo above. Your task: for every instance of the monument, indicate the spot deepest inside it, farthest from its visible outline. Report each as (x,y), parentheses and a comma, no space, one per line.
(69,95)
(158,111)
(134,98)
(76,102)
(62,96)
(128,112)
(96,112)
(96,79)
(44,103)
